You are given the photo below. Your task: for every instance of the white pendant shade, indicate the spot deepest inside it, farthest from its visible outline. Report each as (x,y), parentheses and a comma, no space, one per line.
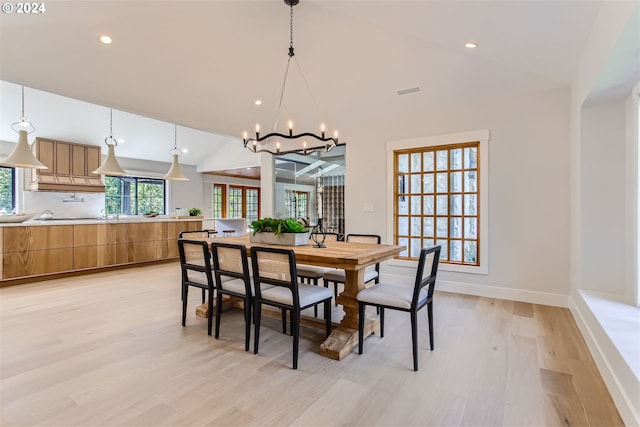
(175,173)
(22,157)
(110,165)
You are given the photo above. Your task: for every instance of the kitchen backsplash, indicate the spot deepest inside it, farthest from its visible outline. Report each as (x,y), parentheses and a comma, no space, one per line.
(64,205)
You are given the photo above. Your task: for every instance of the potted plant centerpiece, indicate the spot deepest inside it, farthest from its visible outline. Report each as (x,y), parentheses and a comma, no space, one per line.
(195,212)
(277,231)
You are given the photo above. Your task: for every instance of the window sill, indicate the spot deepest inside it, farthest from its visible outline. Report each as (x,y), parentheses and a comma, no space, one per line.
(621,322)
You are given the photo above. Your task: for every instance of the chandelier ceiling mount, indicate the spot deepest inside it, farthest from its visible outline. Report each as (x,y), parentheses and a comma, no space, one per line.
(274,142)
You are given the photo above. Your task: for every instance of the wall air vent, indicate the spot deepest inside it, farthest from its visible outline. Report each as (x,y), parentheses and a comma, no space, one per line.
(409,90)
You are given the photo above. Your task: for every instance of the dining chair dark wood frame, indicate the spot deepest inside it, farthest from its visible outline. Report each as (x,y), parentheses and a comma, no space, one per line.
(323,296)
(219,269)
(418,300)
(204,268)
(197,234)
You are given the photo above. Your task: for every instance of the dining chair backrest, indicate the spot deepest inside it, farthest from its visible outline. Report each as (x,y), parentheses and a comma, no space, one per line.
(426,272)
(195,261)
(194,234)
(373,239)
(275,267)
(230,260)
(328,237)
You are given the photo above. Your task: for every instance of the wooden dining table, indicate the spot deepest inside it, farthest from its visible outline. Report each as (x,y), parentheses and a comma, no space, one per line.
(353,258)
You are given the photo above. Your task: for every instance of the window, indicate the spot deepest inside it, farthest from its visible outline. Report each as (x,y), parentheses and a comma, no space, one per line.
(235,202)
(133,195)
(440,191)
(244,202)
(252,205)
(7,189)
(296,203)
(219,201)
(437,201)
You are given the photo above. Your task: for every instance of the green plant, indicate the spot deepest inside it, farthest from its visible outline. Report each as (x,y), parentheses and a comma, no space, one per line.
(277,226)
(194,212)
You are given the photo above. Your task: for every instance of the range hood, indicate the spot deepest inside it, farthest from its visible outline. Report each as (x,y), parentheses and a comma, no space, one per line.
(70,167)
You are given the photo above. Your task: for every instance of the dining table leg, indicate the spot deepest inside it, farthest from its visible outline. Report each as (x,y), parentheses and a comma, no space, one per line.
(344,338)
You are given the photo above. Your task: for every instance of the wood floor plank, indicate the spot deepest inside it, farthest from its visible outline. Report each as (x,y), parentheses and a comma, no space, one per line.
(108,349)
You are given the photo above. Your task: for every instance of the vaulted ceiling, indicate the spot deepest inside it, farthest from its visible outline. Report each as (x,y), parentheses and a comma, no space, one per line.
(202,64)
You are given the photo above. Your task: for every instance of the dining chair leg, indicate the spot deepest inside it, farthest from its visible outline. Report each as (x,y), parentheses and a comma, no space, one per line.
(315,307)
(203,296)
(209,313)
(430,313)
(327,316)
(381,322)
(218,313)
(284,321)
(335,292)
(360,327)
(256,318)
(414,338)
(295,326)
(247,322)
(185,294)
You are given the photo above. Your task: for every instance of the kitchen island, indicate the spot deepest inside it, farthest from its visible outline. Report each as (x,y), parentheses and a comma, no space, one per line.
(38,249)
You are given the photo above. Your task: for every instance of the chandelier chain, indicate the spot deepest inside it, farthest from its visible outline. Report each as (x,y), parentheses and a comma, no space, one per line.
(291,31)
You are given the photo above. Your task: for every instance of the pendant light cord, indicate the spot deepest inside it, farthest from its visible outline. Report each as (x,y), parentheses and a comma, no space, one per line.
(22,115)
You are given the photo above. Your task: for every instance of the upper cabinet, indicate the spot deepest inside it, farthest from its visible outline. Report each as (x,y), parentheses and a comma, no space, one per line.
(70,167)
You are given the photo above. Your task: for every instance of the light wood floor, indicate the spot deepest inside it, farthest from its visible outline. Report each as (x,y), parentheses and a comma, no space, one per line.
(108,349)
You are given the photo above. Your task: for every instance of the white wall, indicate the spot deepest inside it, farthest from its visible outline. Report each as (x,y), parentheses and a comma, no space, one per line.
(602,198)
(528,191)
(600,140)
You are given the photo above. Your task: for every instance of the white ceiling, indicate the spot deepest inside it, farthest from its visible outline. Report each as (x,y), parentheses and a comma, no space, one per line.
(202,64)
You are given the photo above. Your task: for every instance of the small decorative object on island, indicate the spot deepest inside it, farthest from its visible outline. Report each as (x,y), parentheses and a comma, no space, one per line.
(195,212)
(318,235)
(277,231)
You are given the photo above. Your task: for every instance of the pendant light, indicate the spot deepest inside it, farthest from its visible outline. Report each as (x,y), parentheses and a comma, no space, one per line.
(110,165)
(175,173)
(271,142)
(22,157)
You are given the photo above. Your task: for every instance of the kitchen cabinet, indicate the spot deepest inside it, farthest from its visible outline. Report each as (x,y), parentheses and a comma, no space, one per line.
(37,250)
(70,167)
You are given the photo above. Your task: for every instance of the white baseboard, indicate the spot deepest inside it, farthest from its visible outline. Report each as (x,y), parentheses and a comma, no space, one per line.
(543,298)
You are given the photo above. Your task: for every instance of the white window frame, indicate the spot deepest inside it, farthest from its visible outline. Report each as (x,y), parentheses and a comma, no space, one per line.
(482,136)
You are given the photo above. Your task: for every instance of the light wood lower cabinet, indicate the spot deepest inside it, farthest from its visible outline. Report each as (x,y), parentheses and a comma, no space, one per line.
(38,250)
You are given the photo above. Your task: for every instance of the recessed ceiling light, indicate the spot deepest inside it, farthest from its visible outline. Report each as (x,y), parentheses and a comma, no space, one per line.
(105,39)
(471,45)
(120,140)
(258,102)
(185,150)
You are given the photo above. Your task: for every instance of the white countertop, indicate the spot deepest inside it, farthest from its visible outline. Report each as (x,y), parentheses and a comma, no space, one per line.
(122,220)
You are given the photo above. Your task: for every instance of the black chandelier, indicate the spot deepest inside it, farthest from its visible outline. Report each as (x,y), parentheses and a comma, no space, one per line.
(270,143)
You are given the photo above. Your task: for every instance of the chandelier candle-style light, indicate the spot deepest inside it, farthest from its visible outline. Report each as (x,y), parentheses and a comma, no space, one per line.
(273,143)
(110,166)
(175,173)
(22,157)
